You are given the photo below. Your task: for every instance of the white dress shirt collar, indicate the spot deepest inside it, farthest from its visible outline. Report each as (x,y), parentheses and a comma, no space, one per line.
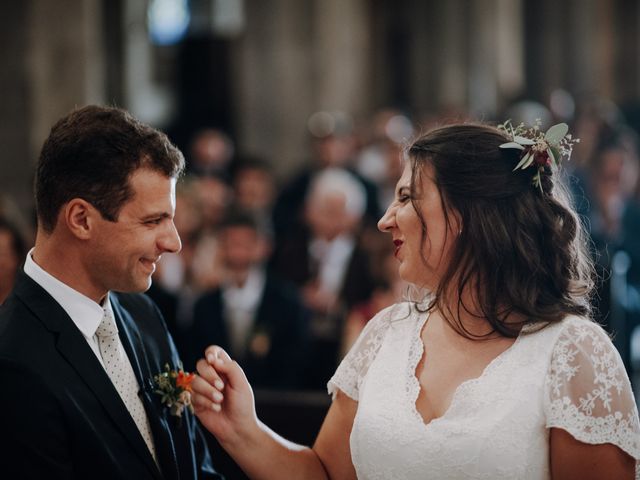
(84,312)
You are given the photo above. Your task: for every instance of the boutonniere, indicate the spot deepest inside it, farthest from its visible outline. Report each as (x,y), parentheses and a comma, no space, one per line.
(174,388)
(260,343)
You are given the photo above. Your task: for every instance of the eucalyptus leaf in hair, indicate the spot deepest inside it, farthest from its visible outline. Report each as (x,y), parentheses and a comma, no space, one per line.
(539,150)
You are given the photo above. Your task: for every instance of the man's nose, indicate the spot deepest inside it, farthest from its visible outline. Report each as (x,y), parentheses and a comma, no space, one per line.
(170,242)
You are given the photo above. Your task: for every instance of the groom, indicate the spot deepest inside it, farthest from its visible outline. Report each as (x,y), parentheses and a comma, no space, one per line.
(79,347)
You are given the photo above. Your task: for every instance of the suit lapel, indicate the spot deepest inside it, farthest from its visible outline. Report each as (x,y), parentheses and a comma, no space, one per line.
(74,348)
(131,339)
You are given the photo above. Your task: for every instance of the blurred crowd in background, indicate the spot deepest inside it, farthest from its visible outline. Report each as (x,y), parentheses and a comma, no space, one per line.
(285,274)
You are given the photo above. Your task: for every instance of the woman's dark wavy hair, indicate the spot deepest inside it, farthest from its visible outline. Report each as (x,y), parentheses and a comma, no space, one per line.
(520,249)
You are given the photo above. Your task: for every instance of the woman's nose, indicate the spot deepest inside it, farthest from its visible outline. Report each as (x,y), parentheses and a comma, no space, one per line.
(387,221)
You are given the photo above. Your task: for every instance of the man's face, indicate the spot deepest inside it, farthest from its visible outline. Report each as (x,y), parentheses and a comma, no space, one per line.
(242,247)
(124,253)
(327,215)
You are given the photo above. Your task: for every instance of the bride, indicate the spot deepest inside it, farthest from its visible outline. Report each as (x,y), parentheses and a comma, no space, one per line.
(498,373)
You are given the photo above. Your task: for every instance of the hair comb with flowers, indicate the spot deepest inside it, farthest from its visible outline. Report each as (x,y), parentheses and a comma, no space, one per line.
(538,149)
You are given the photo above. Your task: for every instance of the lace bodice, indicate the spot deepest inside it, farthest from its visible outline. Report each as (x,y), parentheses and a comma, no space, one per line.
(567,376)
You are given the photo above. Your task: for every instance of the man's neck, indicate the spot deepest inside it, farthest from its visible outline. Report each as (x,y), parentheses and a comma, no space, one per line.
(64,264)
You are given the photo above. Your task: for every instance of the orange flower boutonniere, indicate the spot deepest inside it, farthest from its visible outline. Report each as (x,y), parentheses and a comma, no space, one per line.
(174,388)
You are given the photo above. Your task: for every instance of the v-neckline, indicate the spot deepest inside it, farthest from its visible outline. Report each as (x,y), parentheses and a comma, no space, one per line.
(417,351)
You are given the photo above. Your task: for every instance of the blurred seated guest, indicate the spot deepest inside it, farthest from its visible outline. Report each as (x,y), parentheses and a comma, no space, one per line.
(328,261)
(254,188)
(211,151)
(13,250)
(379,160)
(610,206)
(611,185)
(595,118)
(334,145)
(214,196)
(253,314)
(173,288)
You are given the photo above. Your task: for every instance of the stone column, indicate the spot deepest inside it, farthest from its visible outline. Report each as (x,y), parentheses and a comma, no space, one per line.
(65,61)
(273,80)
(52,62)
(438,57)
(341,53)
(293,59)
(16,158)
(582,50)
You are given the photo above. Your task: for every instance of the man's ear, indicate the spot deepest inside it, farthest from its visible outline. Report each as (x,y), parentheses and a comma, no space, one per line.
(80,217)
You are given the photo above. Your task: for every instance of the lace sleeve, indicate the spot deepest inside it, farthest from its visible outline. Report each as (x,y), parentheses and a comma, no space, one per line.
(355,364)
(588,391)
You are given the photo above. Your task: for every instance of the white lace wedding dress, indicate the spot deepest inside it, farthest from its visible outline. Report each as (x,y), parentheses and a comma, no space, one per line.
(567,375)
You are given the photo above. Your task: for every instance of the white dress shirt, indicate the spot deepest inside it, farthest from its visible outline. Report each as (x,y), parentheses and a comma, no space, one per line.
(84,312)
(240,305)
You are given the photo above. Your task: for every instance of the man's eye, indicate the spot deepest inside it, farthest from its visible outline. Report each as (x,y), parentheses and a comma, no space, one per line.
(155,221)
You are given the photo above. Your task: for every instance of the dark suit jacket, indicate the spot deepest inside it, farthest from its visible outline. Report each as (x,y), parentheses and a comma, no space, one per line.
(62,418)
(280,316)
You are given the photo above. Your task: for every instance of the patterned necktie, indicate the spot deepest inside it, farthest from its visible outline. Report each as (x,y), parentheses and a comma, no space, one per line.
(118,367)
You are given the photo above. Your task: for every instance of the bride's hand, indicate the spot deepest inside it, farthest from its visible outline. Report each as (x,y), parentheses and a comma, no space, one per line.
(223,399)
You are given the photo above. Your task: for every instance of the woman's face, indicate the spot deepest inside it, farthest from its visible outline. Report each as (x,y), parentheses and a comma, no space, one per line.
(421,262)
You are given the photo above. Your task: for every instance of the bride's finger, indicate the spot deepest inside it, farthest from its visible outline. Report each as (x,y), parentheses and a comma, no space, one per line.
(202,387)
(202,403)
(209,373)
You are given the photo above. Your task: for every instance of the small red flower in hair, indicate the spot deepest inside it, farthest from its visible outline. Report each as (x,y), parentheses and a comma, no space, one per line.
(539,149)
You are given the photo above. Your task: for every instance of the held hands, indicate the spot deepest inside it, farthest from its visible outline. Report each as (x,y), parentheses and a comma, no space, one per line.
(223,399)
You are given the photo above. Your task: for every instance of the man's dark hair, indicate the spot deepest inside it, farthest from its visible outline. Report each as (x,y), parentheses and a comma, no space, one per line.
(91,154)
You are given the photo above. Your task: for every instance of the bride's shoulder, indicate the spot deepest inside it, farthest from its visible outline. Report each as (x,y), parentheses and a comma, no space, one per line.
(396,312)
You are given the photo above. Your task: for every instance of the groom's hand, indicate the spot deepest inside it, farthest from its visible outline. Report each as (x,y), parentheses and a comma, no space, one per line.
(223,399)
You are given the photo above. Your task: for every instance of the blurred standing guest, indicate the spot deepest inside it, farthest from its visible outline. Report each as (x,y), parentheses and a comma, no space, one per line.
(80,347)
(254,187)
(211,151)
(13,250)
(334,145)
(327,260)
(214,196)
(379,160)
(258,317)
